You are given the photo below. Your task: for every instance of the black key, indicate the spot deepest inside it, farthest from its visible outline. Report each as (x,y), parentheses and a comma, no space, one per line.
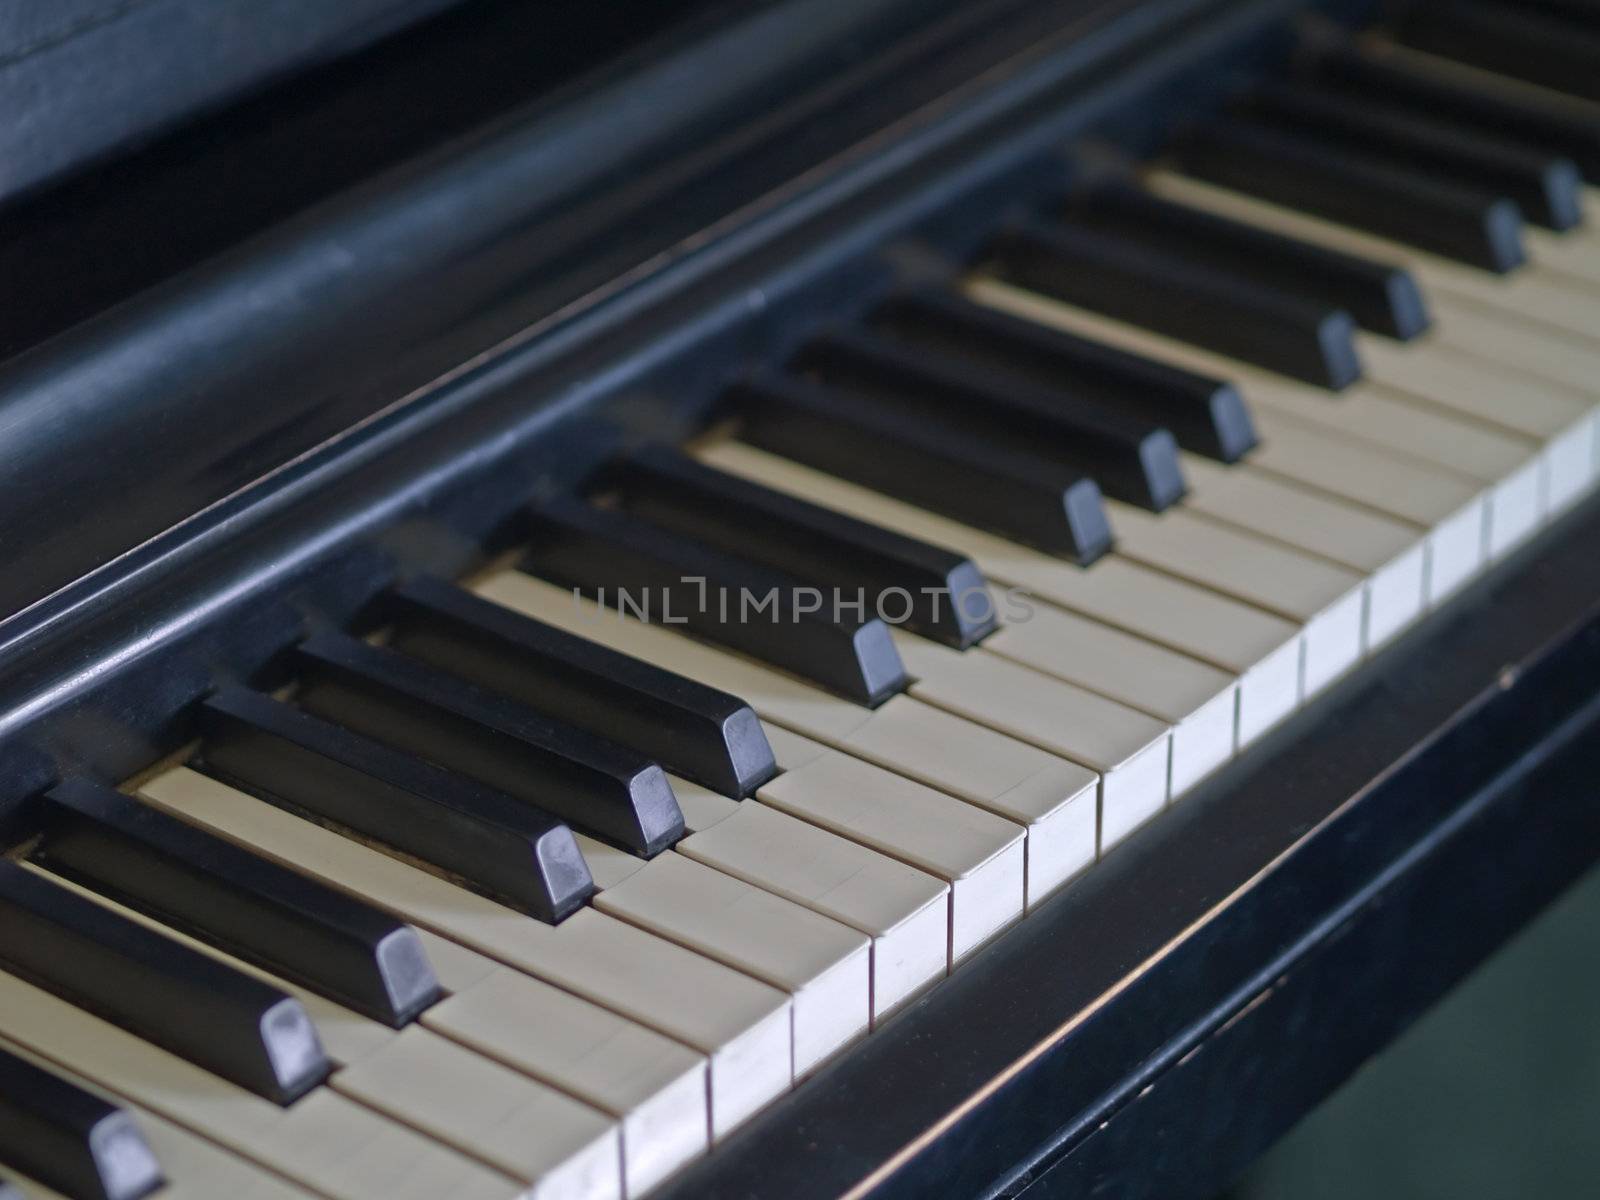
(1537,47)
(602,788)
(248,906)
(1020,496)
(493,843)
(1131,459)
(1115,275)
(675,580)
(186,1002)
(1550,127)
(1206,415)
(1380,296)
(941,594)
(702,734)
(1547,188)
(70,1140)
(1355,189)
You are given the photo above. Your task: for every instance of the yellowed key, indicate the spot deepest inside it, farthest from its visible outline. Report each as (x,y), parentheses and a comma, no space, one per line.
(195,1168)
(1509,469)
(904,911)
(1262,650)
(741,1024)
(1130,751)
(1389,552)
(1552,299)
(980,855)
(1008,777)
(323,1142)
(531,1132)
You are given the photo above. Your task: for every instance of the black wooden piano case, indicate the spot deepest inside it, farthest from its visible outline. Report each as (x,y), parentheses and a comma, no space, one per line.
(262,443)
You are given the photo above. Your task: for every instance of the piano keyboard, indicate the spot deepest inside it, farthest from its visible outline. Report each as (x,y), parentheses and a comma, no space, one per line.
(543,883)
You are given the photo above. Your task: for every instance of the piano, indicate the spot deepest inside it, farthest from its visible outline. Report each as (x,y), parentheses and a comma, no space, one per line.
(895,599)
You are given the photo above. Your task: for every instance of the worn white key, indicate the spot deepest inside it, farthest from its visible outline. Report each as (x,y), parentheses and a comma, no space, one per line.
(195,1168)
(1130,751)
(977,853)
(654,1086)
(1389,552)
(1259,648)
(531,1132)
(824,965)
(867,891)
(1199,701)
(702,808)
(1575,253)
(740,1023)
(324,1142)
(1555,417)
(1545,296)
(1453,511)
(904,911)
(1409,429)
(1473,328)
(1324,599)
(1008,777)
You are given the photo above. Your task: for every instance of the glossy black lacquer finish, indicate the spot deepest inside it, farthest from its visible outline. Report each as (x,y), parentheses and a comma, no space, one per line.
(494,843)
(631,566)
(245,904)
(931,590)
(1207,416)
(71,1140)
(696,731)
(198,1008)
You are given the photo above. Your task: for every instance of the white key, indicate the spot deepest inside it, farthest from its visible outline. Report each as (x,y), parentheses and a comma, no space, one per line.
(739,1022)
(1130,751)
(810,866)
(702,808)
(531,1132)
(1198,701)
(1389,552)
(324,1142)
(824,965)
(1575,254)
(1549,298)
(1453,510)
(980,855)
(653,1085)
(1325,600)
(1385,420)
(195,1169)
(1473,328)
(1556,418)
(1262,650)
(1009,778)
(904,911)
